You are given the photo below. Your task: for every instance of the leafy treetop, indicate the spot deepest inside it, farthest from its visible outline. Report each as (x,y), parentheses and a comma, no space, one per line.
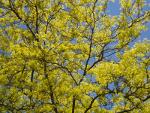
(71,56)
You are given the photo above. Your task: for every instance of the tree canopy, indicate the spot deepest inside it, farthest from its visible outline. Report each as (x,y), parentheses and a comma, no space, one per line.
(72,56)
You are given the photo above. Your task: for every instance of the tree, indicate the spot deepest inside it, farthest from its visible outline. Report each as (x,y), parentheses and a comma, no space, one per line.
(72,56)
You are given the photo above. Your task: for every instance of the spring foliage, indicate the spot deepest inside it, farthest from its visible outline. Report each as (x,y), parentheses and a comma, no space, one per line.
(72,56)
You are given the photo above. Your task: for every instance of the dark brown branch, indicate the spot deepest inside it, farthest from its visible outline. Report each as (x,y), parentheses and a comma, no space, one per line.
(101,56)
(126,111)
(50,18)
(19,17)
(91,43)
(73,104)
(37,16)
(90,106)
(50,87)
(93,100)
(67,70)
(32,75)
